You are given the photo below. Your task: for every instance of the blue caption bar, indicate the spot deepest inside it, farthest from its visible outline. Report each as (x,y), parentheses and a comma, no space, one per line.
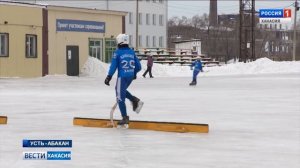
(80,26)
(49,155)
(47,143)
(59,155)
(271,13)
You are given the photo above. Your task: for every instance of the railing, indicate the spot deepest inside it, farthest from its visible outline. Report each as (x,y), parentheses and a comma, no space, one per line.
(167,58)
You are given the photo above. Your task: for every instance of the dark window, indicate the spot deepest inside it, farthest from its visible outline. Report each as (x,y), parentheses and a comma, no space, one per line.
(4,44)
(31,46)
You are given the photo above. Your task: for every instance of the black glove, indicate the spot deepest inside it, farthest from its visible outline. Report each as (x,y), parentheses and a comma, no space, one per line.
(134,77)
(107,80)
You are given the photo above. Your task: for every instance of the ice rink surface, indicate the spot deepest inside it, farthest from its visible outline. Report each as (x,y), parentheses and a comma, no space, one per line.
(254,122)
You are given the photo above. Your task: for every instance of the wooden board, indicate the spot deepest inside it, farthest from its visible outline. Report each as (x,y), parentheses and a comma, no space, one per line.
(3,120)
(145,125)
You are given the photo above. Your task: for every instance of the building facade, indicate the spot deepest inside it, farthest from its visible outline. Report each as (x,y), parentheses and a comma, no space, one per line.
(21,40)
(188,47)
(54,39)
(152,18)
(152,21)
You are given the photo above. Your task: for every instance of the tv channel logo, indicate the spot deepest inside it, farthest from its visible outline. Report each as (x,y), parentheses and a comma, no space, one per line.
(275,16)
(49,155)
(47,143)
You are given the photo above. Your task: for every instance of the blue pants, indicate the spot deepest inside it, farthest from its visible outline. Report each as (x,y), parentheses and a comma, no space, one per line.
(195,73)
(122,93)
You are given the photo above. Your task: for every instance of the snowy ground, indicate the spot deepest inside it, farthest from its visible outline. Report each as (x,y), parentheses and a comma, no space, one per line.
(254,118)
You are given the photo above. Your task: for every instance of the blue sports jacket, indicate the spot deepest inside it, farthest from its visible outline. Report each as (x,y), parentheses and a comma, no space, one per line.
(198,65)
(127,63)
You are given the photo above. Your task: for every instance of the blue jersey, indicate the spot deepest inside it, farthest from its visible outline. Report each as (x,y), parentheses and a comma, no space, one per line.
(125,60)
(198,65)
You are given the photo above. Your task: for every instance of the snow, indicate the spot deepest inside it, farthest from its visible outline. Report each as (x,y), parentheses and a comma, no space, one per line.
(94,67)
(252,109)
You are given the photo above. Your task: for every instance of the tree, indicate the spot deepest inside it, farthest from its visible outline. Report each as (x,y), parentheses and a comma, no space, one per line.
(196,21)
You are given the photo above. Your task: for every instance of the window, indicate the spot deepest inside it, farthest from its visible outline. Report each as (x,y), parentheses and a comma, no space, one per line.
(31,46)
(148,19)
(161,20)
(130,40)
(147,41)
(96,49)
(161,41)
(153,41)
(154,19)
(140,41)
(130,17)
(154,1)
(147,0)
(110,47)
(140,18)
(160,1)
(3,44)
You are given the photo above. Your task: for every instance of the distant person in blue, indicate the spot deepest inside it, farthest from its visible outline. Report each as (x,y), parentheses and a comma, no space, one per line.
(197,68)
(128,65)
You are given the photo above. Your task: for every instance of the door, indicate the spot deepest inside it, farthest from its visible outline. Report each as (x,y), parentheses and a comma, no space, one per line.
(72,60)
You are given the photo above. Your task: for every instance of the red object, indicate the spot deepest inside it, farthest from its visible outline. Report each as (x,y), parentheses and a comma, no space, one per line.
(287,13)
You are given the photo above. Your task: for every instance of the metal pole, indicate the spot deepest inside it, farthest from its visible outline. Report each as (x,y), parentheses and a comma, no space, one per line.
(295,36)
(241,31)
(137,26)
(253,27)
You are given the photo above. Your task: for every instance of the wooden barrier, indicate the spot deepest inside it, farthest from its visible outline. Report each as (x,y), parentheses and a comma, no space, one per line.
(3,120)
(145,125)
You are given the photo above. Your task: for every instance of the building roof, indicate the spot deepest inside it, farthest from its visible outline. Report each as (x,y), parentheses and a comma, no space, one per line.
(61,7)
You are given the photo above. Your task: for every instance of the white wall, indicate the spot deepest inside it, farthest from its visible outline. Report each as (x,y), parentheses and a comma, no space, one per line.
(188,46)
(129,6)
(150,30)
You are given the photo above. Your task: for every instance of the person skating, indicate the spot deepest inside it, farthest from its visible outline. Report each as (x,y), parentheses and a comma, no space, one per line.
(149,66)
(197,64)
(128,65)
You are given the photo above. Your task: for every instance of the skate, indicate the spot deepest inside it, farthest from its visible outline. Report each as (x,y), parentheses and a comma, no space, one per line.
(124,121)
(193,83)
(137,105)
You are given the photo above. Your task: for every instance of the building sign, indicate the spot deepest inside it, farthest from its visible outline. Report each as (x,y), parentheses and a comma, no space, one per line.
(80,26)
(275,16)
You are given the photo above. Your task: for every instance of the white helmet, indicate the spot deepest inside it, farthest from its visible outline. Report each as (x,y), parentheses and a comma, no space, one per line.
(122,39)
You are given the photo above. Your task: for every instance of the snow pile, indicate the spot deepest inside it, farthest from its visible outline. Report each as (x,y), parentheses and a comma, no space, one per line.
(260,66)
(94,67)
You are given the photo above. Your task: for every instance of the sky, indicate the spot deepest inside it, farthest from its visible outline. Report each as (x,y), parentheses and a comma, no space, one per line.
(191,8)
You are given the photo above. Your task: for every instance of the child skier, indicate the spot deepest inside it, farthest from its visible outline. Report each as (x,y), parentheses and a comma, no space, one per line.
(128,65)
(197,68)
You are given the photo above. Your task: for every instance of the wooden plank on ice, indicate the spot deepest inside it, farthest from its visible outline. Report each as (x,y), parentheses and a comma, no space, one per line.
(145,125)
(3,120)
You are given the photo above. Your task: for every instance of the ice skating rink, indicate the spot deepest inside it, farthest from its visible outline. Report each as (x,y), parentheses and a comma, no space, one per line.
(254,122)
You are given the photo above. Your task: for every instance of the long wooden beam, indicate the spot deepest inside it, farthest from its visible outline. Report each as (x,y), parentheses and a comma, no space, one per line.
(145,125)
(3,120)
